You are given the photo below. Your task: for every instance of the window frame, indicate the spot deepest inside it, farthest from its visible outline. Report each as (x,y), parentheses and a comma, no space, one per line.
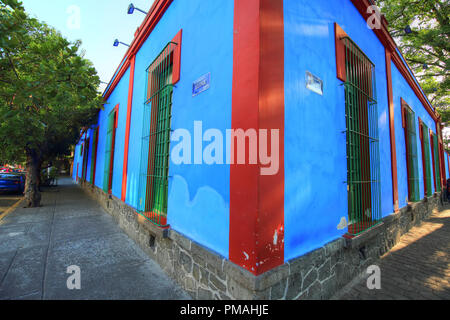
(160,95)
(412,163)
(436,161)
(360,100)
(425,148)
(108,178)
(94,154)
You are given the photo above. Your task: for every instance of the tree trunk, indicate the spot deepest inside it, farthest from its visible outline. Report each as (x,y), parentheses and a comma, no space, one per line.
(32,194)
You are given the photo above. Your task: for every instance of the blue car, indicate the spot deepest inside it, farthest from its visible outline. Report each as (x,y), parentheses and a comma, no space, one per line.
(12,182)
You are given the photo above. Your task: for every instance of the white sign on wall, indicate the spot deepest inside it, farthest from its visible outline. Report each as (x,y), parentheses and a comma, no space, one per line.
(313,83)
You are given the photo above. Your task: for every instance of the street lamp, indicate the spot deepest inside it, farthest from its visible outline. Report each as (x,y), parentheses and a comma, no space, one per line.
(131,9)
(408,30)
(117,42)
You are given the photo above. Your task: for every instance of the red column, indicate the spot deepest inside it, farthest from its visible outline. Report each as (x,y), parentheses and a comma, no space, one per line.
(127,129)
(257,201)
(392,131)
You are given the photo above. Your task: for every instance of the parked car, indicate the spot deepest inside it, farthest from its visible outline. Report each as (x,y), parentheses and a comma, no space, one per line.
(12,182)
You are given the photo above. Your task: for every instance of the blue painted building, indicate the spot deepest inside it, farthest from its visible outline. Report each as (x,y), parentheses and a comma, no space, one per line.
(352,138)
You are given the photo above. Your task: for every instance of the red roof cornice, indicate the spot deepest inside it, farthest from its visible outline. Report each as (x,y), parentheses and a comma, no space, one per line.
(154,15)
(386,39)
(160,6)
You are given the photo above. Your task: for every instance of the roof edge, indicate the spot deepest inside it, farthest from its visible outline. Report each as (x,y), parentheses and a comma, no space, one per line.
(386,39)
(155,14)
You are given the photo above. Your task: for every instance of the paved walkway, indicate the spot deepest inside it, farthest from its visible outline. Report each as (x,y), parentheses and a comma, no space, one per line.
(7,200)
(37,246)
(418,268)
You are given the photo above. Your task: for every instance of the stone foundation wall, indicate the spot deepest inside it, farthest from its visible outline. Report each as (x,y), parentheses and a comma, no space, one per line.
(317,275)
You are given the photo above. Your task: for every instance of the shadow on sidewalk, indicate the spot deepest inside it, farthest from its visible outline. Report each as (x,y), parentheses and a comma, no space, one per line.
(417,268)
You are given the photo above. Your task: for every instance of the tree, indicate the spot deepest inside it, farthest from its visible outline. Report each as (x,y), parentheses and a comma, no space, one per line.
(48,93)
(426,48)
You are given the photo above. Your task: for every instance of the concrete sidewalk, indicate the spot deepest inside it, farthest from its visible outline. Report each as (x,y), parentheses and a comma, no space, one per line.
(417,268)
(37,245)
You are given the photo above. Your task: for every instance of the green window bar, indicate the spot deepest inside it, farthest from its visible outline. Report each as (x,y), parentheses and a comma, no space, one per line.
(94,154)
(426,147)
(411,154)
(85,160)
(154,171)
(363,156)
(436,163)
(109,152)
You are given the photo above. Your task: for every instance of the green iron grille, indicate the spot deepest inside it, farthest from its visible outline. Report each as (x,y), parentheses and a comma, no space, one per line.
(411,154)
(363,157)
(426,147)
(94,154)
(436,163)
(109,152)
(154,172)
(85,159)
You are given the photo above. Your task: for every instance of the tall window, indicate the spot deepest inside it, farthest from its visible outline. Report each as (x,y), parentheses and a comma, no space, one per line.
(435,159)
(409,124)
(94,155)
(363,158)
(425,139)
(109,150)
(441,155)
(85,159)
(153,189)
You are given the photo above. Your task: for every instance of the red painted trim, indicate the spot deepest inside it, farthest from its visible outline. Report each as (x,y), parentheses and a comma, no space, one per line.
(113,149)
(392,132)
(116,80)
(256,201)
(339,33)
(448,163)
(389,43)
(444,171)
(433,159)
(83,131)
(245,102)
(85,158)
(440,152)
(177,57)
(116,116)
(404,71)
(271,117)
(127,129)
(442,163)
(96,152)
(424,162)
(154,15)
(405,106)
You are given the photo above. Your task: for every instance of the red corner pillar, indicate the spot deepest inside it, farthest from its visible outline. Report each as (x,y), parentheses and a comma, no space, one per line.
(392,130)
(127,129)
(256,200)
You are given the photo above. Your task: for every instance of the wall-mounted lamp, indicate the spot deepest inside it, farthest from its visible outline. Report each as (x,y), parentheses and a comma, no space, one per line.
(131,9)
(117,42)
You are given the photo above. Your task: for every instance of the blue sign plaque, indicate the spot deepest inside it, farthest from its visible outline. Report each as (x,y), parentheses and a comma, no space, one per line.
(201,84)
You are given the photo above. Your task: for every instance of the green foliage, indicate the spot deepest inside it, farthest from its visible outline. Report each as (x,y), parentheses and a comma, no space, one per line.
(48,91)
(427,46)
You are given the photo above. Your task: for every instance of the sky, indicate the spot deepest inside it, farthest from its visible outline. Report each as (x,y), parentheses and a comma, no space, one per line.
(97,23)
